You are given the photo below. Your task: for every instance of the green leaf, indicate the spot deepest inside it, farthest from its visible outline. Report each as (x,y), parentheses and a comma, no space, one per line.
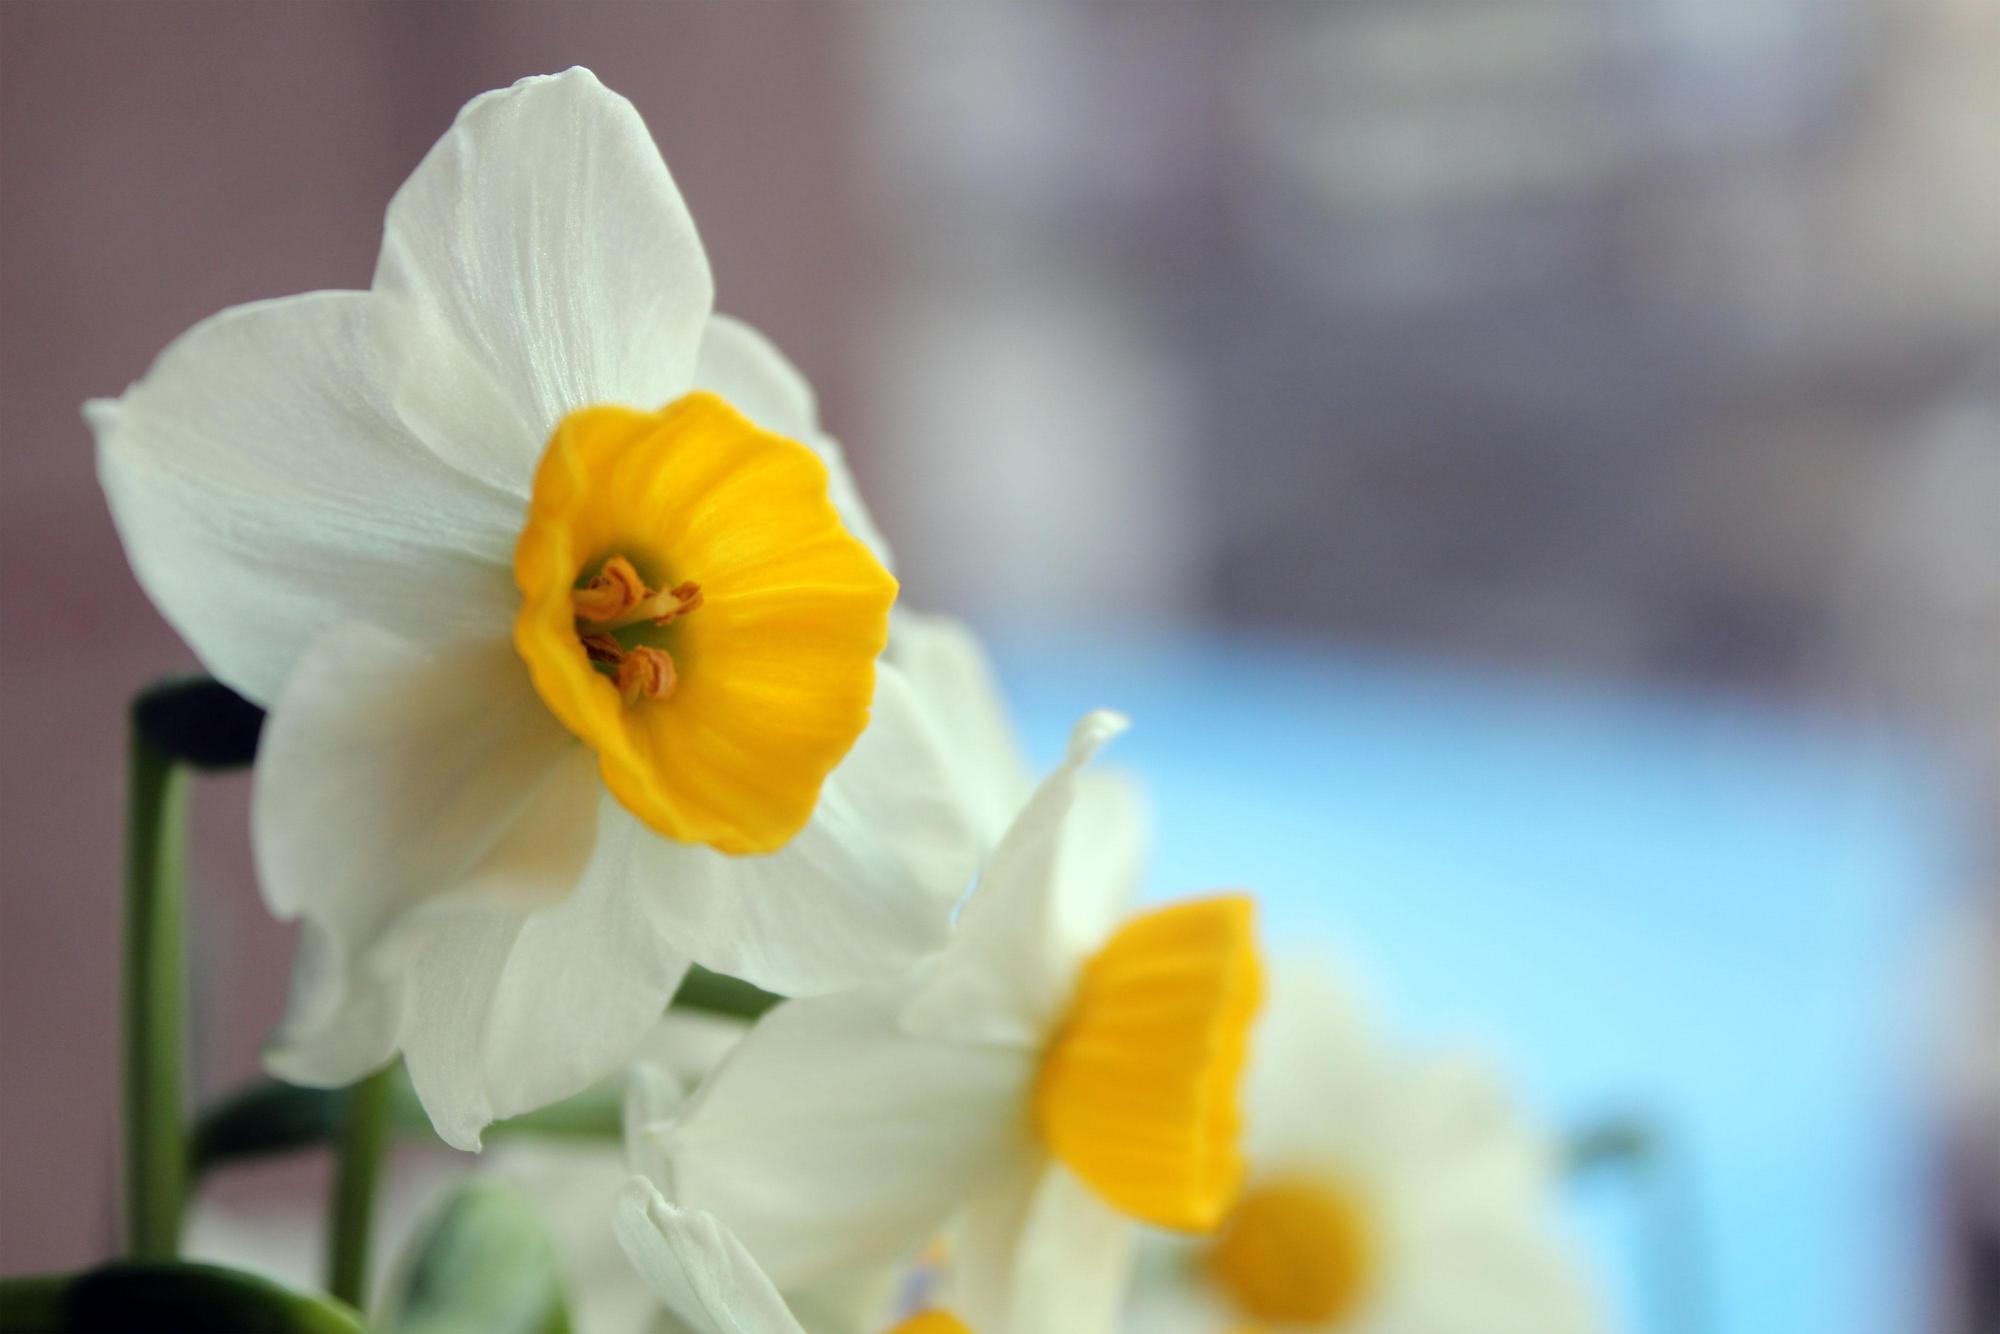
(269,1117)
(485,1267)
(166,1297)
(718,993)
(262,1119)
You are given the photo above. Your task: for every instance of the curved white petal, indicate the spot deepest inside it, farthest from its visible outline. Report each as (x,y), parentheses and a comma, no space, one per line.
(864,891)
(832,1142)
(704,1276)
(267,483)
(1054,886)
(746,368)
(1039,1251)
(388,773)
(955,682)
(545,233)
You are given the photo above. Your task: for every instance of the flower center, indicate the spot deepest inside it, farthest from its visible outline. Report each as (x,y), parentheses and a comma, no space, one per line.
(931,1322)
(1298,1252)
(717,707)
(615,598)
(1138,1091)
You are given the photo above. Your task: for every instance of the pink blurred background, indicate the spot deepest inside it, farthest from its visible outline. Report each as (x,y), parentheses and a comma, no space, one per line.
(1630,340)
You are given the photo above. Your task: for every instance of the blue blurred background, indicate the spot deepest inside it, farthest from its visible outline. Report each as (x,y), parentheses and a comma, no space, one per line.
(1530,469)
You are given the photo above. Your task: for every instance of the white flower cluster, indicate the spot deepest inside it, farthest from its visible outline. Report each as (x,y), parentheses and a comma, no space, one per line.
(577,647)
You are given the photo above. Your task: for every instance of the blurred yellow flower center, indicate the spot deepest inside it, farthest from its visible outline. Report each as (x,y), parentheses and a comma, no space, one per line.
(693,609)
(1138,1091)
(1295,1252)
(932,1322)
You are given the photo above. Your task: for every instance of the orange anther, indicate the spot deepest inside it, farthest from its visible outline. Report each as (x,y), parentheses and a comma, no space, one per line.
(646,673)
(681,599)
(615,589)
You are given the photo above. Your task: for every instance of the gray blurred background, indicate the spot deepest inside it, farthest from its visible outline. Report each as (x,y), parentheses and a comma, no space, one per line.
(1646,339)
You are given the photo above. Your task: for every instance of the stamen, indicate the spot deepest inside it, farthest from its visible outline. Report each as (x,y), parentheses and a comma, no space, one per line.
(617,597)
(663,608)
(615,589)
(686,598)
(646,672)
(603,649)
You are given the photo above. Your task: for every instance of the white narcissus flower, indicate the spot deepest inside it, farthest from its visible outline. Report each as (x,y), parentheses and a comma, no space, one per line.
(1052,1076)
(568,619)
(1388,1193)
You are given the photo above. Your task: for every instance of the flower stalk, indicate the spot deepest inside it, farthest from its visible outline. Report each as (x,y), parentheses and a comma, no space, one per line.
(364,1142)
(155,1024)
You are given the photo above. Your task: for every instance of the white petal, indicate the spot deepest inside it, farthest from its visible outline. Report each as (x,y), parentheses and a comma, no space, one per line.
(386,774)
(267,483)
(1492,1276)
(1320,1086)
(746,368)
(831,1142)
(1038,1251)
(1172,1290)
(707,1280)
(864,891)
(1458,1141)
(955,682)
(652,1097)
(1177,1305)
(1055,884)
(341,1018)
(686,1044)
(544,232)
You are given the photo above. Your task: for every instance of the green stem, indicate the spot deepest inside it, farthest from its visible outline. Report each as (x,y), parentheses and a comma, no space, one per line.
(364,1140)
(155,1001)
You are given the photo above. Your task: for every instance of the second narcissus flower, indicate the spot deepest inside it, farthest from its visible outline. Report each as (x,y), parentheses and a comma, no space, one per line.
(1057,1073)
(569,621)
